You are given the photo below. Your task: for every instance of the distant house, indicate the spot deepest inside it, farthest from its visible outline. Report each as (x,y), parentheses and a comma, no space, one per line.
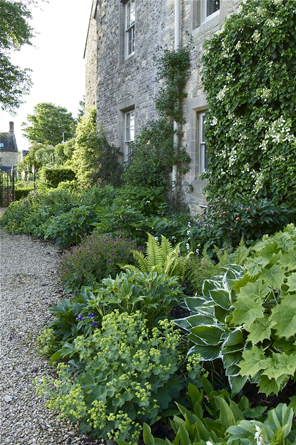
(123,38)
(8,149)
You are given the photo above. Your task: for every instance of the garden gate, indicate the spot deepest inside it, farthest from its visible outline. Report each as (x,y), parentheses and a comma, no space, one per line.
(7,192)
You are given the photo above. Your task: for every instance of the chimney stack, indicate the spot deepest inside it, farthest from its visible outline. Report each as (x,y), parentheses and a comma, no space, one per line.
(11,127)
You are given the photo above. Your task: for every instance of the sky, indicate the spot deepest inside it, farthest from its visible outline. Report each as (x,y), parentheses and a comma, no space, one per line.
(56,61)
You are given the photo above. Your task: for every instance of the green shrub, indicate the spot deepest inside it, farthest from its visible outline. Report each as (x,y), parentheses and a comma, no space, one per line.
(22,193)
(148,200)
(68,228)
(53,176)
(95,258)
(249,76)
(224,222)
(152,293)
(128,375)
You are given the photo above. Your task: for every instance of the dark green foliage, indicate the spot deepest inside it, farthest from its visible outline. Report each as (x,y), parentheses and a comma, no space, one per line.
(225,222)
(68,228)
(95,161)
(148,200)
(154,152)
(51,177)
(95,258)
(153,156)
(249,76)
(109,169)
(214,418)
(46,209)
(173,68)
(22,193)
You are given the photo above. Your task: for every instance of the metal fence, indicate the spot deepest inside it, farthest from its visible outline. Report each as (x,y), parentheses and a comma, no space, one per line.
(7,191)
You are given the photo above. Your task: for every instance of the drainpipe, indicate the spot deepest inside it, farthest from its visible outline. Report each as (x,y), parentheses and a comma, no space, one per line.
(177,44)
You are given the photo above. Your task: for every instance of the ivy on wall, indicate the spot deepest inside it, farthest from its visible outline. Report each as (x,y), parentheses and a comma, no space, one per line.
(249,71)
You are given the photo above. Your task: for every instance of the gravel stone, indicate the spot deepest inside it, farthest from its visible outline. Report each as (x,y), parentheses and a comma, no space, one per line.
(28,288)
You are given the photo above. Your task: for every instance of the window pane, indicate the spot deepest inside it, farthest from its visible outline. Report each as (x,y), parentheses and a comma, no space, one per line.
(212,6)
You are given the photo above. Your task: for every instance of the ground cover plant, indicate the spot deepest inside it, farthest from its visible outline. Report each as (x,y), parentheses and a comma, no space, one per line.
(128,375)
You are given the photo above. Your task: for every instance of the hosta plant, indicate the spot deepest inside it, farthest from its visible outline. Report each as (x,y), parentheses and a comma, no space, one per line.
(208,324)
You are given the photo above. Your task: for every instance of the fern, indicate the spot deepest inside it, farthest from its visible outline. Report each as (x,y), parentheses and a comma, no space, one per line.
(160,258)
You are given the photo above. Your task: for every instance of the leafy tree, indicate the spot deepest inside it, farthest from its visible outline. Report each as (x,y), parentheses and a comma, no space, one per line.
(94,160)
(50,124)
(249,75)
(15,32)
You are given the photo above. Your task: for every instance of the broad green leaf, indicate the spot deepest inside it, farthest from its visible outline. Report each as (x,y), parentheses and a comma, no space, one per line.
(246,310)
(255,266)
(200,320)
(268,386)
(274,277)
(226,417)
(281,363)
(221,298)
(284,320)
(185,439)
(237,383)
(209,334)
(253,361)
(260,329)
(291,282)
(287,260)
(234,338)
(193,303)
(208,353)
(147,435)
(231,359)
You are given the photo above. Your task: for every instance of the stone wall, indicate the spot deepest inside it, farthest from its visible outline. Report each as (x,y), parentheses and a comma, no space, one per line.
(90,56)
(129,83)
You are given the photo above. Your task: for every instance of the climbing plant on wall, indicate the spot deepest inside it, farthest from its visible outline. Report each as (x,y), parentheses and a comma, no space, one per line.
(249,73)
(154,152)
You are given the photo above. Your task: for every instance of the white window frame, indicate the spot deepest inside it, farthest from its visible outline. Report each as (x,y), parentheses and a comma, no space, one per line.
(129,133)
(129,26)
(204,12)
(203,159)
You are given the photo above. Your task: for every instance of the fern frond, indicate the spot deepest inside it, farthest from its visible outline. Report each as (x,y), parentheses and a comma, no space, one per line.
(166,247)
(130,268)
(154,257)
(142,261)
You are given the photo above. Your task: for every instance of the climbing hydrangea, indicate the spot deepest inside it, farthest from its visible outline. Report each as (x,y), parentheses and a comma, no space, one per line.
(249,76)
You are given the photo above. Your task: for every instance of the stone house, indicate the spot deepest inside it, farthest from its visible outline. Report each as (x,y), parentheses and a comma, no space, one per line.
(123,38)
(8,149)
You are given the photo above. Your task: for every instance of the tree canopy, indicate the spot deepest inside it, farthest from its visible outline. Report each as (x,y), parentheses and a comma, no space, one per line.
(49,124)
(249,76)
(15,32)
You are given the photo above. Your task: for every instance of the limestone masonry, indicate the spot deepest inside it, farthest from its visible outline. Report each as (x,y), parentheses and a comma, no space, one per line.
(123,39)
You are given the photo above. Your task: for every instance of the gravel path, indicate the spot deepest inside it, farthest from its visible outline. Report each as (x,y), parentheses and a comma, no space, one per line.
(28,289)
